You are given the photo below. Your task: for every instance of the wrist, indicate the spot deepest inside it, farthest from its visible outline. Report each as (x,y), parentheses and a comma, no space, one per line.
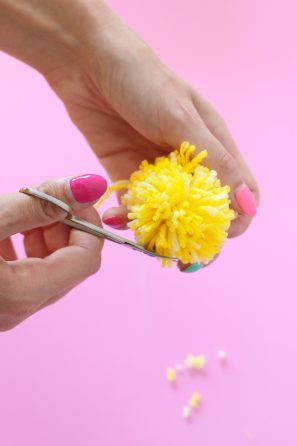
(107,44)
(49,34)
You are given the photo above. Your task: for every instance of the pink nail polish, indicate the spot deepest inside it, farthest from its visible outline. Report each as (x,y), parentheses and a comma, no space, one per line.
(246,201)
(115,222)
(88,188)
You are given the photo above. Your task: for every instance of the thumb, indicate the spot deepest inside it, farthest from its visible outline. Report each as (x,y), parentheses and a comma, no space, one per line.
(19,212)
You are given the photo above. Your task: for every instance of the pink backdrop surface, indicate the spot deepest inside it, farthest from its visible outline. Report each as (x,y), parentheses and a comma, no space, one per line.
(90,370)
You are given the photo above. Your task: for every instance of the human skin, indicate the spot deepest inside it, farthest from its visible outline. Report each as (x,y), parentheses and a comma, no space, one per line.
(58,258)
(126,102)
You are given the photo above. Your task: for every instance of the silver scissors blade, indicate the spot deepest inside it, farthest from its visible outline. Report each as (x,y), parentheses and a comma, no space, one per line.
(84,225)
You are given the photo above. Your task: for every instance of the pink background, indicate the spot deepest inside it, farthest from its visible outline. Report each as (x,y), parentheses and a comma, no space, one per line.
(91,369)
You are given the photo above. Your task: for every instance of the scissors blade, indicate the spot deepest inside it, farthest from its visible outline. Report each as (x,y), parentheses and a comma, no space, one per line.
(84,225)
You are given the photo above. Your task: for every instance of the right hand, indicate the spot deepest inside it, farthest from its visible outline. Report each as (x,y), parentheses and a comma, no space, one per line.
(58,258)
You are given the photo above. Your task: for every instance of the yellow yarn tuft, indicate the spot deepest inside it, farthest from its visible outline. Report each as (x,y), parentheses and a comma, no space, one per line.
(178,207)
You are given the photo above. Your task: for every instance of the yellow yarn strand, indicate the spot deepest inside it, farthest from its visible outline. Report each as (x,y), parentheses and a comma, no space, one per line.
(177,207)
(118,185)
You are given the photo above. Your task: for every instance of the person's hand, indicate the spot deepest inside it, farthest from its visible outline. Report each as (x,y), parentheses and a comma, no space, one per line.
(58,258)
(131,107)
(125,101)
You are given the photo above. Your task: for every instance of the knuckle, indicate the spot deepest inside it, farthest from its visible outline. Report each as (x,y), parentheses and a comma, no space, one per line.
(227,163)
(48,210)
(175,109)
(239,226)
(95,266)
(90,263)
(219,128)
(183,113)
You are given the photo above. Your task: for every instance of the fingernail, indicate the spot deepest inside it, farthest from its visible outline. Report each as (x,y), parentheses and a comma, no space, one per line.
(88,188)
(246,201)
(115,222)
(192,268)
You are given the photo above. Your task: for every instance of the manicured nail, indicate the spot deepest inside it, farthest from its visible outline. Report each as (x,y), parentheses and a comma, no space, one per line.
(246,201)
(115,222)
(192,268)
(88,188)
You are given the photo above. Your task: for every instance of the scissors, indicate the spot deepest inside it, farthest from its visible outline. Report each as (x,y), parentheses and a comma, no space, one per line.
(85,226)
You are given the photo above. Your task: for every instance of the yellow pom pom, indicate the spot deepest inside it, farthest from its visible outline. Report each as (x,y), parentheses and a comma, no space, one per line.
(178,207)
